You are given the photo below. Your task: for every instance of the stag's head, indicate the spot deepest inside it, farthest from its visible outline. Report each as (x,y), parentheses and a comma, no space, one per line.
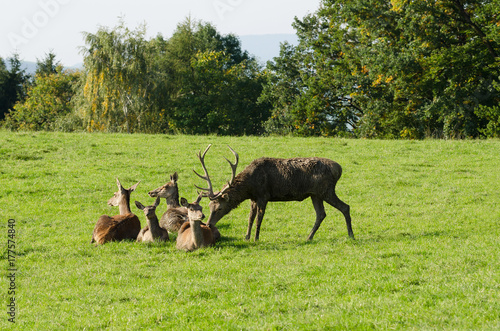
(168,190)
(220,203)
(121,194)
(195,211)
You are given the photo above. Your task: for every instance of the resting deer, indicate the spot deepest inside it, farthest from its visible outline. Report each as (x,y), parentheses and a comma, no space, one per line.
(176,215)
(152,231)
(194,234)
(118,227)
(269,179)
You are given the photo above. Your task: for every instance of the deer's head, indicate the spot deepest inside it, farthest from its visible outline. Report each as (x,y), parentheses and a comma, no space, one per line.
(149,211)
(168,190)
(195,211)
(220,203)
(121,194)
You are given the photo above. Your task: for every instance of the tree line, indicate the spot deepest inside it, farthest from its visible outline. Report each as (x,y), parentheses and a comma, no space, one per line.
(362,68)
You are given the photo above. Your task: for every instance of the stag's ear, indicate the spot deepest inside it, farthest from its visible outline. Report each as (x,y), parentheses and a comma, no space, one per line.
(225,197)
(133,187)
(139,205)
(184,202)
(174,177)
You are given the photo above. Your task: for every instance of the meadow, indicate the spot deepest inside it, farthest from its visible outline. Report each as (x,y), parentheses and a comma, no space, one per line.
(425,215)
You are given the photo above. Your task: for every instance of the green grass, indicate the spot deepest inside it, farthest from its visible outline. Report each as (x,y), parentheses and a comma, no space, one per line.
(426,216)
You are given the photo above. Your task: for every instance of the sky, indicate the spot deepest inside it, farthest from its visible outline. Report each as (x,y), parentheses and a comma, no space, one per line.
(33,28)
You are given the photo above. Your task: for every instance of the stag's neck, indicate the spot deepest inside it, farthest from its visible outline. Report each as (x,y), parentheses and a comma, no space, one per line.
(237,193)
(154,226)
(124,206)
(173,201)
(197,233)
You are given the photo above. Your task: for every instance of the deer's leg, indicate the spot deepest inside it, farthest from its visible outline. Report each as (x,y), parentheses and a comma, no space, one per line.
(251,218)
(320,215)
(345,209)
(261,210)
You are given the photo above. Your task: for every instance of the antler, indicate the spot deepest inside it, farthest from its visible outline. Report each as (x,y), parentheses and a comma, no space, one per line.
(233,166)
(209,190)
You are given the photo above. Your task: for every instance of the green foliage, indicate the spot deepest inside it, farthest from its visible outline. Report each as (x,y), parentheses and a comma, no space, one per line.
(197,82)
(116,80)
(48,101)
(48,65)
(399,69)
(215,84)
(425,215)
(13,83)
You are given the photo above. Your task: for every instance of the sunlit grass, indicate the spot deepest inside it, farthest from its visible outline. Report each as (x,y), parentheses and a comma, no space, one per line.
(425,215)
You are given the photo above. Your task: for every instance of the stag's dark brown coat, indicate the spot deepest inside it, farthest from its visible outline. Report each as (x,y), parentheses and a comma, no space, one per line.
(271,179)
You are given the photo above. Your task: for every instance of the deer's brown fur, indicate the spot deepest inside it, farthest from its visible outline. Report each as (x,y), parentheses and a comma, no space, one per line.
(152,231)
(194,234)
(119,227)
(175,215)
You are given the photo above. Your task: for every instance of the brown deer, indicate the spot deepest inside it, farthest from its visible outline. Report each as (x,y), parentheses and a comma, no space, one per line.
(176,215)
(152,231)
(118,227)
(194,234)
(270,179)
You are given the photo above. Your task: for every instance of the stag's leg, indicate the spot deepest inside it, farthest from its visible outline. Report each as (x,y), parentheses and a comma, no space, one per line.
(251,218)
(320,215)
(261,210)
(344,208)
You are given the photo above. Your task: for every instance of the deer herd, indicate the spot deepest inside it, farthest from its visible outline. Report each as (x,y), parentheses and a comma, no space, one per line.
(263,180)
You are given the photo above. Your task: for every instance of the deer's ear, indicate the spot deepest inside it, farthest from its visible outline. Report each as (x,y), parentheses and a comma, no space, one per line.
(139,205)
(133,187)
(225,197)
(119,184)
(184,202)
(174,177)
(157,202)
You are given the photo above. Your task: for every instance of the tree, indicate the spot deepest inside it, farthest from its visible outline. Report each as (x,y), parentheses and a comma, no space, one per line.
(396,68)
(116,81)
(48,65)
(214,84)
(48,99)
(12,84)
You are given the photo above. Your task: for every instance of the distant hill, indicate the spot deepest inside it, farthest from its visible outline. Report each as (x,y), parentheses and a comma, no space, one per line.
(266,47)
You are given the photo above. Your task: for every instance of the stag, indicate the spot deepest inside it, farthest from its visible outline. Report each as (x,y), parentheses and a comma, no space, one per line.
(271,179)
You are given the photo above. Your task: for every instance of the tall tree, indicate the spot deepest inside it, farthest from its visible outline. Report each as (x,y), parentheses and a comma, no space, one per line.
(397,68)
(13,84)
(48,65)
(215,85)
(116,81)
(48,100)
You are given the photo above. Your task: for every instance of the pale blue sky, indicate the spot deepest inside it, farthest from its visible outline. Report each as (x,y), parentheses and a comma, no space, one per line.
(34,27)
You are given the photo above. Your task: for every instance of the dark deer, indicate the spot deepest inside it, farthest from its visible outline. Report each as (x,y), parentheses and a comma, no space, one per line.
(118,227)
(269,179)
(176,215)
(194,234)
(152,231)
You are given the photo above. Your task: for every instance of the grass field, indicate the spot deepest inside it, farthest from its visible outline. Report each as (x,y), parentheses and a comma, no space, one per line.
(426,216)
